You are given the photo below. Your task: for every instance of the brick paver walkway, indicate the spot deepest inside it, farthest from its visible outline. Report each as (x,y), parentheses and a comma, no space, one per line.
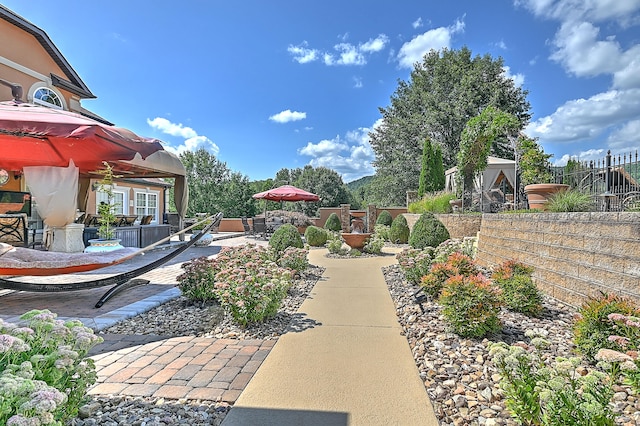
(175,368)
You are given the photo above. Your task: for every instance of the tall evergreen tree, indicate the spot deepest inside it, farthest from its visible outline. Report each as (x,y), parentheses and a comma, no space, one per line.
(426,173)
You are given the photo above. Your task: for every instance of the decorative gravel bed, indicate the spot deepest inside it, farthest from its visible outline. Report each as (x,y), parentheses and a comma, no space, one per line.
(459,377)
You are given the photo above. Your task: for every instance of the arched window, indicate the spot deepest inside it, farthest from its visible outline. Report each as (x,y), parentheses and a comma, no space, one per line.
(47,97)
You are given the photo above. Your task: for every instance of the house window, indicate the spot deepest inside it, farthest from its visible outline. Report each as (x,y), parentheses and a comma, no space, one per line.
(47,97)
(147,204)
(118,201)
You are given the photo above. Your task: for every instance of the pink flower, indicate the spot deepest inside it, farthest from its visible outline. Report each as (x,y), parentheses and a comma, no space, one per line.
(612,356)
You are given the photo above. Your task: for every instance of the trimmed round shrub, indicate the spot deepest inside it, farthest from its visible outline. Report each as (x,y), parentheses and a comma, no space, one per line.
(399,232)
(384,218)
(316,237)
(285,236)
(333,223)
(428,232)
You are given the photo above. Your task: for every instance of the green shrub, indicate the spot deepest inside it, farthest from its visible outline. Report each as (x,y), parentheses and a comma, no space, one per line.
(570,201)
(295,259)
(315,237)
(382,231)
(374,244)
(428,232)
(335,244)
(456,264)
(593,327)
(384,218)
(471,305)
(333,223)
(249,284)
(399,232)
(415,263)
(519,292)
(285,236)
(197,280)
(43,361)
(437,202)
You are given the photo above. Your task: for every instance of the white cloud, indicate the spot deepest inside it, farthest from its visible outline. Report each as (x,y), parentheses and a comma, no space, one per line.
(287,116)
(302,54)
(417,23)
(192,141)
(350,156)
(581,119)
(582,54)
(518,79)
(624,11)
(347,53)
(625,138)
(375,44)
(436,39)
(357,82)
(582,156)
(502,45)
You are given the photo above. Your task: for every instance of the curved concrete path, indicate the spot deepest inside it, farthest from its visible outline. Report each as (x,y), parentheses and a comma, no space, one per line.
(351,366)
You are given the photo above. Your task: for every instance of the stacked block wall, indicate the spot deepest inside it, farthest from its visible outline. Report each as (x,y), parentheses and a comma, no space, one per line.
(575,255)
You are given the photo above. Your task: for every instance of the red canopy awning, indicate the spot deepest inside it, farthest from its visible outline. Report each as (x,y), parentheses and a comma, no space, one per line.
(33,135)
(286,193)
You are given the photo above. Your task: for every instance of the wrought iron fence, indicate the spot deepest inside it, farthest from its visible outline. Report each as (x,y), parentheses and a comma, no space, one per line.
(613,181)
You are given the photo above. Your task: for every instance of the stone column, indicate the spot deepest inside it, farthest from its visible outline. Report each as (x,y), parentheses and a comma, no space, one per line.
(345,217)
(68,239)
(372,216)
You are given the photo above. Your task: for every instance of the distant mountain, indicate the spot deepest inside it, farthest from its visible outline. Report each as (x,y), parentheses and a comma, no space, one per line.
(356,184)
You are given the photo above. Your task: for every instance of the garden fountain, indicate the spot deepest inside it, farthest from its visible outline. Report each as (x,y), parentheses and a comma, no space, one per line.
(357,237)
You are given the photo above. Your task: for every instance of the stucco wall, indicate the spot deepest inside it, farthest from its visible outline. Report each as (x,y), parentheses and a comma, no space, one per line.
(575,255)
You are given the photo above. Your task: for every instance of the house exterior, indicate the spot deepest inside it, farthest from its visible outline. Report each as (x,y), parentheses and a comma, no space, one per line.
(32,62)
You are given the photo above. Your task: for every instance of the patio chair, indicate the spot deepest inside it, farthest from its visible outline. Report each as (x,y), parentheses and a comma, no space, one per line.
(259,227)
(146,220)
(246,226)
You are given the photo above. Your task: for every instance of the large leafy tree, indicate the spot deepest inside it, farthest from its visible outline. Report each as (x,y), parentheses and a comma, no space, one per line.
(443,93)
(213,187)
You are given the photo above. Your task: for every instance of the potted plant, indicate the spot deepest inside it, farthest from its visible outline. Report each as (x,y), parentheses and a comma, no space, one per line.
(536,175)
(106,240)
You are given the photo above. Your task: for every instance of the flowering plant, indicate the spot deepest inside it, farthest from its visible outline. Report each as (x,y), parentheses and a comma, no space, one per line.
(44,368)
(540,390)
(248,283)
(519,292)
(471,305)
(415,263)
(295,259)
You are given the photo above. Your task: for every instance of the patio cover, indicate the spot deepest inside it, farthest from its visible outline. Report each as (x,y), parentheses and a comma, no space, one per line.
(487,179)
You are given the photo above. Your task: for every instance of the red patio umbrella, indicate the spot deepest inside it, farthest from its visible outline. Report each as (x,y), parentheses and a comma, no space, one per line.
(33,135)
(286,193)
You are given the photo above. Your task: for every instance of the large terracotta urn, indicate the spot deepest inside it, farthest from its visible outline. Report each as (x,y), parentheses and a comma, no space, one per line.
(538,194)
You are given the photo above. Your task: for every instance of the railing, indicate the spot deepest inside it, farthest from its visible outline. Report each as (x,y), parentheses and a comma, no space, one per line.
(613,181)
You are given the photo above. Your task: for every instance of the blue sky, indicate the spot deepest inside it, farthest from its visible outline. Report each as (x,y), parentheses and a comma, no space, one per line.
(265,85)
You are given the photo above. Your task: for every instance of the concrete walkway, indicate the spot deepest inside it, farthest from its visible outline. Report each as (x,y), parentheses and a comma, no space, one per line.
(353,368)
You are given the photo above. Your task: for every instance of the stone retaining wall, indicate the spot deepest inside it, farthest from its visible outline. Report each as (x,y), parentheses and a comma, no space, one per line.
(575,255)
(458,225)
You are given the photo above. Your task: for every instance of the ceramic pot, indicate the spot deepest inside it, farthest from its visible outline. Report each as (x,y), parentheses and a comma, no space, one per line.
(99,245)
(538,194)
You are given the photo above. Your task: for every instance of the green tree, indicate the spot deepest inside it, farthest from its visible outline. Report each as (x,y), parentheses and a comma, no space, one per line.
(426,173)
(438,170)
(443,93)
(534,164)
(213,187)
(478,137)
